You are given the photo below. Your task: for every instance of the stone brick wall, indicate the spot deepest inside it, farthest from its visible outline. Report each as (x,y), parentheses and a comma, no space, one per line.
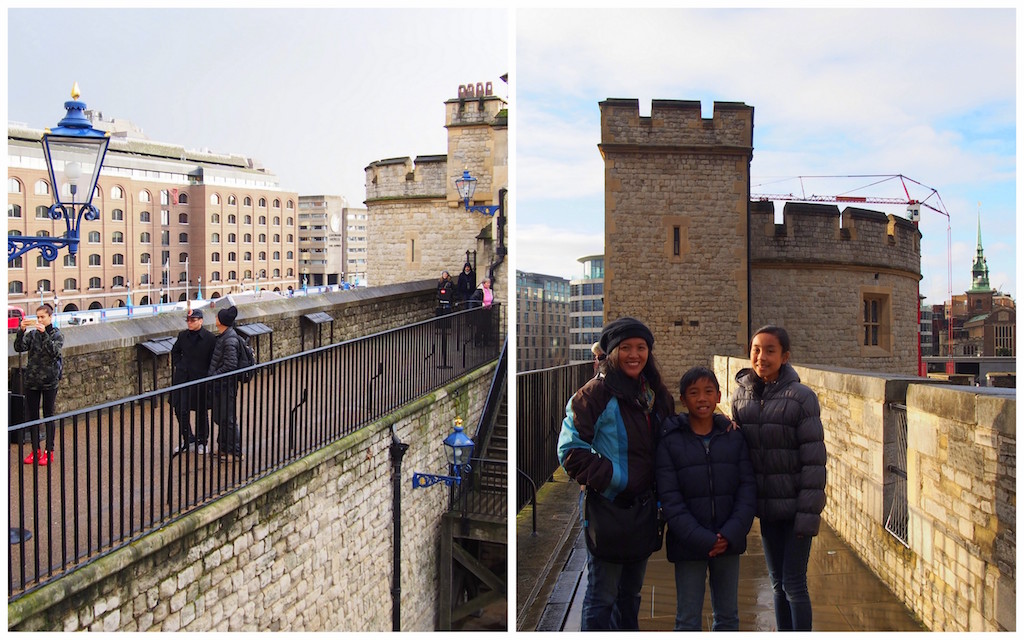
(101,360)
(307,548)
(676,174)
(958,573)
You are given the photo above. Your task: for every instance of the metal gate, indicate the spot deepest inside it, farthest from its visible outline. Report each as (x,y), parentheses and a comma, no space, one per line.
(896,521)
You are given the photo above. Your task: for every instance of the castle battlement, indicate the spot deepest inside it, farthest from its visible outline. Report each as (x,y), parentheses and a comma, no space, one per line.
(404,178)
(819,233)
(676,123)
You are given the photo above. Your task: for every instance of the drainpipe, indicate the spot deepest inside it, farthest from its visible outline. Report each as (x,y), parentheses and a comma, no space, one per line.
(398,449)
(501,250)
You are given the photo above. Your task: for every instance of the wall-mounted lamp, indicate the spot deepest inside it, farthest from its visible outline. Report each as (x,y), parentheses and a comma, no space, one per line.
(466,186)
(459,449)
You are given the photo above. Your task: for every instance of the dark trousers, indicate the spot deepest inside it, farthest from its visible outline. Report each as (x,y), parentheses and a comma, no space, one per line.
(48,398)
(229,436)
(192,400)
(786,556)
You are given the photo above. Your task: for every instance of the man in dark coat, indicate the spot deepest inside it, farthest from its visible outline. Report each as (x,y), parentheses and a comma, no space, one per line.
(225,391)
(466,285)
(190,360)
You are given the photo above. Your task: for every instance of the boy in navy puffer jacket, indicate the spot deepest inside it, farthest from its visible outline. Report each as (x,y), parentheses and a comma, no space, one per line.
(708,497)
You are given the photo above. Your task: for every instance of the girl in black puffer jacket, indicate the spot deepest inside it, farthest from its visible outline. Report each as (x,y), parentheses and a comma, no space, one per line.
(781,421)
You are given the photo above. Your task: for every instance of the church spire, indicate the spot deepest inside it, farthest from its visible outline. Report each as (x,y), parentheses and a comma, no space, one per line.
(979,273)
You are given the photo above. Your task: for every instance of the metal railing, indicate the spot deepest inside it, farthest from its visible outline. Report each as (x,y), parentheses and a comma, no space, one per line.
(541,397)
(897,514)
(115,477)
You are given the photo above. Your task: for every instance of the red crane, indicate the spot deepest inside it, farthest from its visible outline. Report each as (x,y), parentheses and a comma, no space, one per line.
(913,214)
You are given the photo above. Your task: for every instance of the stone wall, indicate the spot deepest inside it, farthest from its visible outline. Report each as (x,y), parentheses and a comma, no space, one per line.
(307,548)
(958,572)
(809,274)
(101,360)
(676,193)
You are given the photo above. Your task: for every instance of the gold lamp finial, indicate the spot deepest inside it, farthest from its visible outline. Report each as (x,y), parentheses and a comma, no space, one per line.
(75,92)
(458,421)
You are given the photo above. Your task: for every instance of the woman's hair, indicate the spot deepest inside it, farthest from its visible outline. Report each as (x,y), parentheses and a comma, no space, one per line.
(651,371)
(47,307)
(778,332)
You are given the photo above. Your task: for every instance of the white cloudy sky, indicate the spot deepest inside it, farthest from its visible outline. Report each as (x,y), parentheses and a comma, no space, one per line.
(314,94)
(929,94)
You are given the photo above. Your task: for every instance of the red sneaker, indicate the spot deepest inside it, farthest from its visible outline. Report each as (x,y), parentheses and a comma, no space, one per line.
(45,457)
(30,458)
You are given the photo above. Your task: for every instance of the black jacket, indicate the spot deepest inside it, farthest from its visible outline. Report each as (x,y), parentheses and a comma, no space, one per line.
(704,492)
(191,355)
(44,352)
(225,352)
(782,424)
(466,284)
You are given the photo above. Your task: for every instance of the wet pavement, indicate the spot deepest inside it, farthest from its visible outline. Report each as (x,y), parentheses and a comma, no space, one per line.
(845,594)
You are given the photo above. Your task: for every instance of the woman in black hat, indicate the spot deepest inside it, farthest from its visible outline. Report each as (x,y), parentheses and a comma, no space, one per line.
(607,444)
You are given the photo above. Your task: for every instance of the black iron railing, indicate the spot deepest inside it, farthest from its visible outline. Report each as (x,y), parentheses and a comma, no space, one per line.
(115,477)
(541,397)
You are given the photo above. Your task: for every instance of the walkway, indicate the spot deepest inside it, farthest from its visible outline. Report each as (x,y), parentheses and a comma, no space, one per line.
(551,579)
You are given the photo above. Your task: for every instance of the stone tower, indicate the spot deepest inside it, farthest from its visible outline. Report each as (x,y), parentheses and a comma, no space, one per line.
(676,195)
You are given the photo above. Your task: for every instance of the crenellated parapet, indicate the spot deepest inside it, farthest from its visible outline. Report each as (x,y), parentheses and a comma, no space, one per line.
(403,178)
(821,234)
(676,123)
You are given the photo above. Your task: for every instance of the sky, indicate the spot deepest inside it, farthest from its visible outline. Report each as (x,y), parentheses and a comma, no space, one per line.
(315,95)
(926,93)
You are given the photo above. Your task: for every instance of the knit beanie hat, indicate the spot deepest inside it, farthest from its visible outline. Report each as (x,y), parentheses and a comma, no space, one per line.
(227,316)
(624,328)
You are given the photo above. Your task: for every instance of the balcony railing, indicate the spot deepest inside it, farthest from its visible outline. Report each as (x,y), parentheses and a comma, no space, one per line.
(115,476)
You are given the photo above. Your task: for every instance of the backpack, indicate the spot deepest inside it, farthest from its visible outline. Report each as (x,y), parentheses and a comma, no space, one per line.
(246,359)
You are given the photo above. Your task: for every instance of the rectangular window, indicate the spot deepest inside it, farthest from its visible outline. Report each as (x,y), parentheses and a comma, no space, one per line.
(876,321)
(675,240)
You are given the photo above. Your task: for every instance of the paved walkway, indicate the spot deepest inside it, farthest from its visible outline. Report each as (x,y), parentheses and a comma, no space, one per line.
(551,579)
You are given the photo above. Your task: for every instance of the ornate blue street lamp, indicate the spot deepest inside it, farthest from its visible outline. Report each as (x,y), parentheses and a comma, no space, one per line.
(74,153)
(459,449)
(466,186)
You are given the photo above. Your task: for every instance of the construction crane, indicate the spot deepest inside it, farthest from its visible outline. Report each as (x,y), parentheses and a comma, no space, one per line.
(913,214)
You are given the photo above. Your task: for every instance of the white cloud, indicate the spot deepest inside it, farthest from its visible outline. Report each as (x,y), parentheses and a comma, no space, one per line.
(540,248)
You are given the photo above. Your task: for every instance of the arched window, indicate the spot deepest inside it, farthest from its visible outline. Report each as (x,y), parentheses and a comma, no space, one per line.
(70,260)
(247,237)
(277,273)
(144,278)
(165,197)
(70,284)
(289,255)
(17,263)
(215,256)
(117,258)
(232,219)
(247,256)
(145,258)
(183,218)
(118,281)
(277,237)
(247,202)
(13,232)
(277,255)
(214,198)
(182,198)
(43,285)
(144,216)
(263,237)
(183,238)
(95,283)
(94,260)
(42,262)
(277,203)
(14,211)
(43,233)
(42,188)
(263,220)
(13,185)
(248,274)
(232,275)
(15,286)
(263,202)
(231,201)
(94,236)
(291,271)
(95,305)
(215,218)
(116,193)
(42,212)
(144,196)
(214,276)
(145,238)
(290,238)
(117,237)
(263,255)
(232,256)
(290,206)
(247,219)
(182,277)
(117,214)
(277,221)
(232,238)
(290,222)
(215,238)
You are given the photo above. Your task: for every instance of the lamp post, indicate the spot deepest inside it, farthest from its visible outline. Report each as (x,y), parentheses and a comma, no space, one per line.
(466,186)
(459,450)
(74,153)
